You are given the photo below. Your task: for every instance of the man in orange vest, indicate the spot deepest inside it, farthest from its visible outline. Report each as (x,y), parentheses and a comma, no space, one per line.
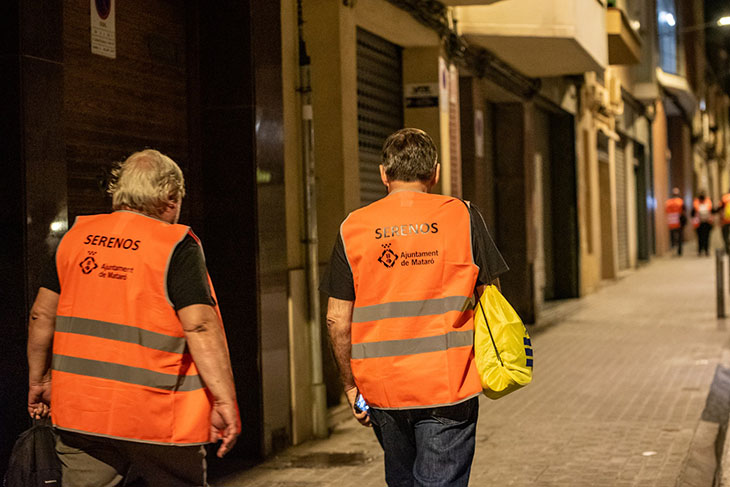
(724,210)
(676,219)
(126,347)
(400,316)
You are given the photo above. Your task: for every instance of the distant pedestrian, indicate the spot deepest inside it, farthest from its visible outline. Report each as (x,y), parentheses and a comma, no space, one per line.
(702,219)
(400,319)
(676,219)
(126,348)
(724,210)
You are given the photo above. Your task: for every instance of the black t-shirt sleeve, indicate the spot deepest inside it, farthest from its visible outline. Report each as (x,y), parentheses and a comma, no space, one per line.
(49,276)
(337,281)
(486,255)
(187,276)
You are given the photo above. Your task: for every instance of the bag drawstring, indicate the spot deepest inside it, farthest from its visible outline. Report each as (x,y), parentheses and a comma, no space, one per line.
(479,303)
(476,295)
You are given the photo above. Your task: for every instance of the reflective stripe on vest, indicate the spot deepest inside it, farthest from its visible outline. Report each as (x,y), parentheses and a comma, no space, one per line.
(124,373)
(414,274)
(118,372)
(121,367)
(411,346)
(404,309)
(122,333)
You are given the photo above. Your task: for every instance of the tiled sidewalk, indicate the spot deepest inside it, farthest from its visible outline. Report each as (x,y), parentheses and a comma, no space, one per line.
(618,390)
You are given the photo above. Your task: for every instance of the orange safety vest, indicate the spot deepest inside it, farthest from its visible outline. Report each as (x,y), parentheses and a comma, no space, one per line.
(412,322)
(673,208)
(705,207)
(121,367)
(726,209)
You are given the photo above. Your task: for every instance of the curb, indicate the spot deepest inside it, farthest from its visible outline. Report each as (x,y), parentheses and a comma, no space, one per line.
(722,477)
(723,473)
(701,461)
(708,459)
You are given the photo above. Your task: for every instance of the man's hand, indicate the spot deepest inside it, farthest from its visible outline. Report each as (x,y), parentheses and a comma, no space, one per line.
(41,326)
(339,323)
(362,416)
(225,425)
(39,400)
(207,343)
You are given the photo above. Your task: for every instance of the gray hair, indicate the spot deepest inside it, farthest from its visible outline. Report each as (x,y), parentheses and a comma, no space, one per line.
(148,181)
(409,155)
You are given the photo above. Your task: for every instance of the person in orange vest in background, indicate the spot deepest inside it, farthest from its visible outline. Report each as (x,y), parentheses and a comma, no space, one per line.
(126,347)
(676,219)
(724,210)
(702,219)
(400,316)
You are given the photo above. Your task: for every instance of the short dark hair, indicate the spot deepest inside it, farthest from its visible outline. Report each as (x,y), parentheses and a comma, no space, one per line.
(409,155)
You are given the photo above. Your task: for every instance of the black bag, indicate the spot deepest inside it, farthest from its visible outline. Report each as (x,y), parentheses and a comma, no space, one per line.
(33,461)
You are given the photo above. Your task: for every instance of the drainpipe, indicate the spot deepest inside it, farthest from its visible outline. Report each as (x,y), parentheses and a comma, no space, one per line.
(319,404)
(650,182)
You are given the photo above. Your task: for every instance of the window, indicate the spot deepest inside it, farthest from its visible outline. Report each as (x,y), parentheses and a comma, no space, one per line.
(667,31)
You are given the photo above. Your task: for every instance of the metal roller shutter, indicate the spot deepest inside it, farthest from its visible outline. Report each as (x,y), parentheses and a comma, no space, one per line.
(621,207)
(379,106)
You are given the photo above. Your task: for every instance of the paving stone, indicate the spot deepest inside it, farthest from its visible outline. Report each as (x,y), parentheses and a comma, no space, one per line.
(625,371)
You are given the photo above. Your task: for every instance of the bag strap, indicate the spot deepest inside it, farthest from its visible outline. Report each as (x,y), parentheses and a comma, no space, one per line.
(489,329)
(489,276)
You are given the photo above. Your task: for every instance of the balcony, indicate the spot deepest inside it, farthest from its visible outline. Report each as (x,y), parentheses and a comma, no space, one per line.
(540,38)
(624,44)
(679,92)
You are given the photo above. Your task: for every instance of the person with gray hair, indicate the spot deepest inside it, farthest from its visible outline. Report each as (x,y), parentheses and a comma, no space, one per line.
(400,283)
(126,347)
(148,182)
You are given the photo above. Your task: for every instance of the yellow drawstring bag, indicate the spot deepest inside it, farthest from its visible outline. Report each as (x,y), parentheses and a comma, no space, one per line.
(502,347)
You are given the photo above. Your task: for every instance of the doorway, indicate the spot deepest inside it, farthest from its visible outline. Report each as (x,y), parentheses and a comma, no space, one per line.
(556,190)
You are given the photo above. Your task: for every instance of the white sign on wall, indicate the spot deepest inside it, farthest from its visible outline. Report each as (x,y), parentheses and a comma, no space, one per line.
(421,95)
(103,35)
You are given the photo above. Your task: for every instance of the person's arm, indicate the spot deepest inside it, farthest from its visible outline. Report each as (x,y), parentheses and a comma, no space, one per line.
(41,327)
(208,347)
(339,324)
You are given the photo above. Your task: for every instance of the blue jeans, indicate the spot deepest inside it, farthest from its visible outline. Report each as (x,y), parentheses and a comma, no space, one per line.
(431,447)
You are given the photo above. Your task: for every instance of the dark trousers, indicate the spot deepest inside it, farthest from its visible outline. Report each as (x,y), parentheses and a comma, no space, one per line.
(92,461)
(726,237)
(677,238)
(703,238)
(431,447)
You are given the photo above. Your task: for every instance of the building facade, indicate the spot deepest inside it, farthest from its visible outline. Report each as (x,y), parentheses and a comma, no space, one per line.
(567,122)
